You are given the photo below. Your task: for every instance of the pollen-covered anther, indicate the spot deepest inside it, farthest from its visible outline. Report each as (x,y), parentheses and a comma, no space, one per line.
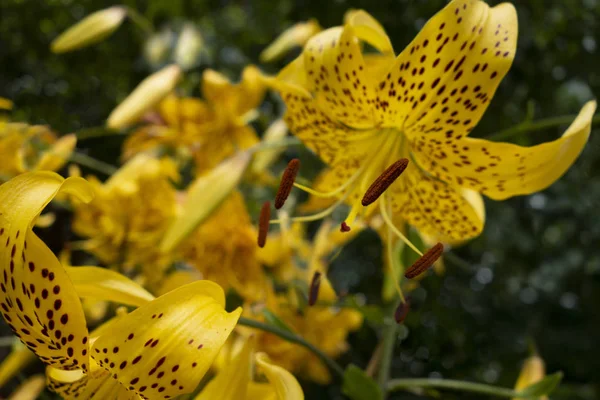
(263,223)
(287,182)
(313,293)
(426,261)
(344,227)
(402,311)
(384,181)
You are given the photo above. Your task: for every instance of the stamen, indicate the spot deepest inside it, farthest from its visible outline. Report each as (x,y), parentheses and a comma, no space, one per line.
(344,227)
(423,263)
(287,182)
(263,223)
(388,221)
(313,293)
(401,312)
(384,181)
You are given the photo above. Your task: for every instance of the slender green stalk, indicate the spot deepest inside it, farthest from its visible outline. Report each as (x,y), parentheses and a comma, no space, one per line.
(7,341)
(400,384)
(96,132)
(285,142)
(390,333)
(293,338)
(528,126)
(92,163)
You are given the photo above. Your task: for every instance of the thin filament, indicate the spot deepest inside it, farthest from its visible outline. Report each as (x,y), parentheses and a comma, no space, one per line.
(392,264)
(317,216)
(389,222)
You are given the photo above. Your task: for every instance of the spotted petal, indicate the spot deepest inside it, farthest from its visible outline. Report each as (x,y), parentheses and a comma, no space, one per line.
(503,170)
(338,79)
(38,300)
(444,211)
(165,347)
(443,81)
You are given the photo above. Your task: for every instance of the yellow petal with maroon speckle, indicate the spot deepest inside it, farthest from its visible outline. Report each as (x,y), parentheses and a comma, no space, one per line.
(502,170)
(164,348)
(38,300)
(435,208)
(443,81)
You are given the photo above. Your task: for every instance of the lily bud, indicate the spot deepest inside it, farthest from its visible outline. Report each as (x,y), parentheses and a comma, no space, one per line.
(204,195)
(533,371)
(189,47)
(92,29)
(296,35)
(145,96)
(263,159)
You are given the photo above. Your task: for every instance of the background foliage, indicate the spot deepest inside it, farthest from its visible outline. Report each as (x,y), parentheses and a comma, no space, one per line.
(533,277)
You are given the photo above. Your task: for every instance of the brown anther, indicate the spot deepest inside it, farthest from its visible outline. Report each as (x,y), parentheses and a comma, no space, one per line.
(263,223)
(287,182)
(384,181)
(344,227)
(402,311)
(426,261)
(313,293)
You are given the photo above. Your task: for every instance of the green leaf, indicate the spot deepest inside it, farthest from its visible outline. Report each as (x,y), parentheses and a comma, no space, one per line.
(274,320)
(358,386)
(408,256)
(543,387)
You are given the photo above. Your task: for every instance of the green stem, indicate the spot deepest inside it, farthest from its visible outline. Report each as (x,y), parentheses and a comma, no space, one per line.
(92,163)
(140,20)
(536,126)
(96,132)
(400,384)
(390,333)
(293,338)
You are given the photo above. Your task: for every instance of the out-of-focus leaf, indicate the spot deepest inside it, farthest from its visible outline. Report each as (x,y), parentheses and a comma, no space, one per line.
(276,321)
(358,386)
(543,387)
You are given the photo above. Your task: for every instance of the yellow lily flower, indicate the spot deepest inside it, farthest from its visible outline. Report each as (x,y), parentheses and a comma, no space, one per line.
(209,130)
(32,148)
(223,249)
(160,350)
(362,112)
(129,215)
(235,382)
(533,371)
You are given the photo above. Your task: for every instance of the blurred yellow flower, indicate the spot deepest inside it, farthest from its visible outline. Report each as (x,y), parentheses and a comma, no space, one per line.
(32,148)
(223,249)
(234,381)
(533,371)
(126,221)
(363,111)
(323,325)
(207,130)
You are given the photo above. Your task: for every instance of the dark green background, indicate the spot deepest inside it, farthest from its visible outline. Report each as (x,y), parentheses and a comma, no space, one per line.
(534,274)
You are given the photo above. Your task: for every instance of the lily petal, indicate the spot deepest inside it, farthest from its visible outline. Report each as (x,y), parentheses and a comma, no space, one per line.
(286,385)
(57,155)
(296,35)
(502,170)
(231,382)
(443,81)
(338,79)
(96,385)
(165,347)
(436,208)
(38,300)
(369,29)
(104,284)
